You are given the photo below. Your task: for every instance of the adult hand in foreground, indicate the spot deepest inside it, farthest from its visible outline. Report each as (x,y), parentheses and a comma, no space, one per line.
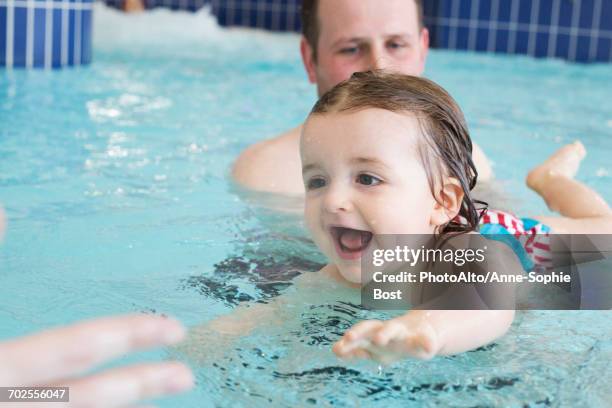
(62,356)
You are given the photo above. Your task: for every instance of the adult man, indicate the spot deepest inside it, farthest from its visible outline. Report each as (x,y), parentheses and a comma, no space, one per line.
(341,37)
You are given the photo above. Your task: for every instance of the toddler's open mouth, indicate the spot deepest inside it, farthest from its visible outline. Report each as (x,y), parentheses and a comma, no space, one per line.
(349,242)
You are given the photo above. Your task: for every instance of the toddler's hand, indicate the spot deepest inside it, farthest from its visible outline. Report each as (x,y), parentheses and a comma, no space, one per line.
(389,341)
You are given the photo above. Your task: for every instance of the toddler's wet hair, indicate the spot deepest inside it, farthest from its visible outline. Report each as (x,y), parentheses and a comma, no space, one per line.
(447,147)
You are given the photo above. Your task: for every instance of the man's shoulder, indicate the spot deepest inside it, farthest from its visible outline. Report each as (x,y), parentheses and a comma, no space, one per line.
(272,146)
(259,165)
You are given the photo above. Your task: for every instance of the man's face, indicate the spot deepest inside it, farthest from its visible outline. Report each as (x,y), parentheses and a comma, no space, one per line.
(363,35)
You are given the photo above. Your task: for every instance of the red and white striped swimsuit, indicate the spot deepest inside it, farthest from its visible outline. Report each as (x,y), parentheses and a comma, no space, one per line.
(531,238)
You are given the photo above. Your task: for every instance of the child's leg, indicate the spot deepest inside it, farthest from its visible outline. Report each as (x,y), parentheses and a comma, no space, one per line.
(583,211)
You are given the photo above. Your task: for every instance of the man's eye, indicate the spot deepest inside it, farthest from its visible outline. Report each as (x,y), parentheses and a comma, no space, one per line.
(396,45)
(315,182)
(349,50)
(368,180)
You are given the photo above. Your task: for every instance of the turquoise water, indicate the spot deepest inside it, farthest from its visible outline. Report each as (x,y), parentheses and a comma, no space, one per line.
(115,182)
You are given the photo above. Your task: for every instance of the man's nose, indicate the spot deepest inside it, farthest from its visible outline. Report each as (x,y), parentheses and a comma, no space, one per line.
(337,200)
(378,59)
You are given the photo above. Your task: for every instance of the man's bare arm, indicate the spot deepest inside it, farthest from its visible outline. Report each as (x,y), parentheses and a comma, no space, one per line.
(483,166)
(272,166)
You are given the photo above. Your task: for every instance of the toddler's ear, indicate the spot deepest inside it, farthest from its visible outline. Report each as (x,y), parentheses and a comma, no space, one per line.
(448,202)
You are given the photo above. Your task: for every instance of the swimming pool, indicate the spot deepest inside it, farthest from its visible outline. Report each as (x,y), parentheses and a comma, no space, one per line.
(115,181)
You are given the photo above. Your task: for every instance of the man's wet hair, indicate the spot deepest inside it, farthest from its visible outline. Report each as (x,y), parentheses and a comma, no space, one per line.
(445,147)
(311,28)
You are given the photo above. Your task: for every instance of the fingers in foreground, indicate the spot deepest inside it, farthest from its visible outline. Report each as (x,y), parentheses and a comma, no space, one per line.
(390,331)
(68,351)
(357,337)
(347,351)
(125,386)
(419,346)
(361,330)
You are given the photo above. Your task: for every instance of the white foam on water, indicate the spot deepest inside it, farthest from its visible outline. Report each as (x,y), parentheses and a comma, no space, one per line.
(163,28)
(156,26)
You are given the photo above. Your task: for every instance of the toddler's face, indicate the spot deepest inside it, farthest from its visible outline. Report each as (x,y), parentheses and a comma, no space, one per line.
(363,176)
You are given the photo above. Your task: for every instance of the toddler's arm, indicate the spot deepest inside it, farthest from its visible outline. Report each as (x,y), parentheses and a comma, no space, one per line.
(424,334)
(206,341)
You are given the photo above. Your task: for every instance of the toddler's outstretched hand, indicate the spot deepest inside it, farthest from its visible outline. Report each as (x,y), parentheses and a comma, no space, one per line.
(389,341)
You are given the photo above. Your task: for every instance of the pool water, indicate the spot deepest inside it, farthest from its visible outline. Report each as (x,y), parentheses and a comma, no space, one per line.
(115,180)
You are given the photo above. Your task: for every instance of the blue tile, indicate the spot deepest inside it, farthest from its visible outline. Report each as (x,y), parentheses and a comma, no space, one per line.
(220,16)
(434,35)
(465,9)
(2,35)
(264,14)
(545,12)
(251,18)
(604,49)
(583,46)
(114,3)
(86,28)
(521,43)
(40,16)
(430,8)
(19,43)
(505,10)
(501,40)
(482,39)
(71,23)
(541,45)
(563,43)
(449,7)
(57,39)
(524,14)
(261,17)
(587,8)
(442,36)
(565,13)
(258,18)
(484,10)
(462,38)
(444,8)
(606,15)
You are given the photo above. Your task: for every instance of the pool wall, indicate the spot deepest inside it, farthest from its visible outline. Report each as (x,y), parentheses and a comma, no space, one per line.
(45,33)
(575,30)
(57,33)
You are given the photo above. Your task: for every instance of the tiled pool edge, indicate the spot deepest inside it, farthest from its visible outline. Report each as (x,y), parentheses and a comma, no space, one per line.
(57,33)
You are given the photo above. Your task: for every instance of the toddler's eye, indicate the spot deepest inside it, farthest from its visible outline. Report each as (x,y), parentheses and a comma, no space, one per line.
(368,180)
(315,182)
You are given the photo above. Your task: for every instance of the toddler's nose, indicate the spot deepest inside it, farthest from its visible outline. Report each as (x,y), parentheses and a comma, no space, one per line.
(337,200)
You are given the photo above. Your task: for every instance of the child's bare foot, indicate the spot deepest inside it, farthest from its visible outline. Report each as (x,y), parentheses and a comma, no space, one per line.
(564,162)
